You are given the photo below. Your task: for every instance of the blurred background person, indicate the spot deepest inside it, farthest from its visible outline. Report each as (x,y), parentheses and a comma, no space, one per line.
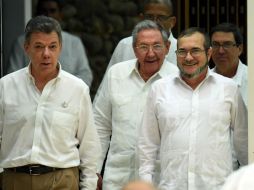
(161,11)
(227,44)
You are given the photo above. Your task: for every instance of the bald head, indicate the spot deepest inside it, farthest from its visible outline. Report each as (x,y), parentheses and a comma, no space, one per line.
(139,185)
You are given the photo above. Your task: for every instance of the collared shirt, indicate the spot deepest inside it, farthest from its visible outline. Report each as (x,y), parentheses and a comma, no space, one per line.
(46,127)
(192,129)
(241,78)
(73,57)
(124,51)
(118,110)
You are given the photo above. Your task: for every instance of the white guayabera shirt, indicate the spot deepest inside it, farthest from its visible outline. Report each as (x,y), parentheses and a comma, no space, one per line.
(118,110)
(241,78)
(192,131)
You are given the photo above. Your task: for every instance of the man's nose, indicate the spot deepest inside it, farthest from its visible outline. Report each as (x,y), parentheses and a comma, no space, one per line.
(188,56)
(150,51)
(46,51)
(221,49)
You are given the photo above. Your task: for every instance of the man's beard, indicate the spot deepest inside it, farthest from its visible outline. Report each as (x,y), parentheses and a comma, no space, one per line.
(192,75)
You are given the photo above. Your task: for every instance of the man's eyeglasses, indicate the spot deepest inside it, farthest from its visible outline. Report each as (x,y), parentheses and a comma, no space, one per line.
(159,18)
(195,52)
(144,48)
(225,45)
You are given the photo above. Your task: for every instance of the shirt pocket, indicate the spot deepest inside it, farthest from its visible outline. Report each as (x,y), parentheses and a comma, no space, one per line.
(63,126)
(123,108)
(219,114)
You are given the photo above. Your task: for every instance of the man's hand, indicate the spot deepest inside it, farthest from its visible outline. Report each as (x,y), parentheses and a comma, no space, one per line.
(99,182)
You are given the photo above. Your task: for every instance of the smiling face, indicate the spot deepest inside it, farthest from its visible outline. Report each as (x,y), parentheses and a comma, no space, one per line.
(43,50)
(150,50)
(194,64)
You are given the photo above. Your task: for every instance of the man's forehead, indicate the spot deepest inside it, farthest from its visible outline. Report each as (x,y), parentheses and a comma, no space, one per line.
(146,33)
(42,36)
(221,34)
(157,8)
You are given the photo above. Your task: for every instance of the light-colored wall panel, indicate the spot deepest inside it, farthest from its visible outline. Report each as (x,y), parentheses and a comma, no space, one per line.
(250,47)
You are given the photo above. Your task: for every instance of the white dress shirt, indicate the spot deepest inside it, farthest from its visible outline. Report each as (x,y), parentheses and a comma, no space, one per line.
(46,127)
(118,110)
(192,129)
(73,57)
(241,78)
(124,51)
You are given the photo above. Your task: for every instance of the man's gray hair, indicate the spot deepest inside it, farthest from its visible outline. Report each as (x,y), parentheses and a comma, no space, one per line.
(148,25)
(42,24)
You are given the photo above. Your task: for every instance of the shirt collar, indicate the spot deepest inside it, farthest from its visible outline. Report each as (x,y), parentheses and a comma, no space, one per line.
(171,37)
(239,72)
(164,68)
(161,73)
(209,76)
(238,76)
(30,76)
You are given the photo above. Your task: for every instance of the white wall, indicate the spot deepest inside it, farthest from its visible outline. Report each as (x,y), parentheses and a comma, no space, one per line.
(250,49)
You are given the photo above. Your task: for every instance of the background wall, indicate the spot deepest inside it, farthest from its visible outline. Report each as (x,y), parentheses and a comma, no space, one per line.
(251,78)
(208,13)
(15,15)
(1,44)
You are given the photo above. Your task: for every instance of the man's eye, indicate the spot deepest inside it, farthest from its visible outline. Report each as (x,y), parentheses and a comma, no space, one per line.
(195,50)
(53,47)
(227,45)
(144,47)
(157,46)
(214,44)
(182,52)
(38,47)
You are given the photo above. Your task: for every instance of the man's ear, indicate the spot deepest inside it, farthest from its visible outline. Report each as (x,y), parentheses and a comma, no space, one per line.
(134,49)
(172,21)
(167,45)
(25,46)
(240,49)
(209,53)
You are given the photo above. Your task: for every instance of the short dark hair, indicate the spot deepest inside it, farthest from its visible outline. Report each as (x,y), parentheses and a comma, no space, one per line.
(168,3)
(42,24)
(148,24)
(192,30)
(40,3)
(229,27)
